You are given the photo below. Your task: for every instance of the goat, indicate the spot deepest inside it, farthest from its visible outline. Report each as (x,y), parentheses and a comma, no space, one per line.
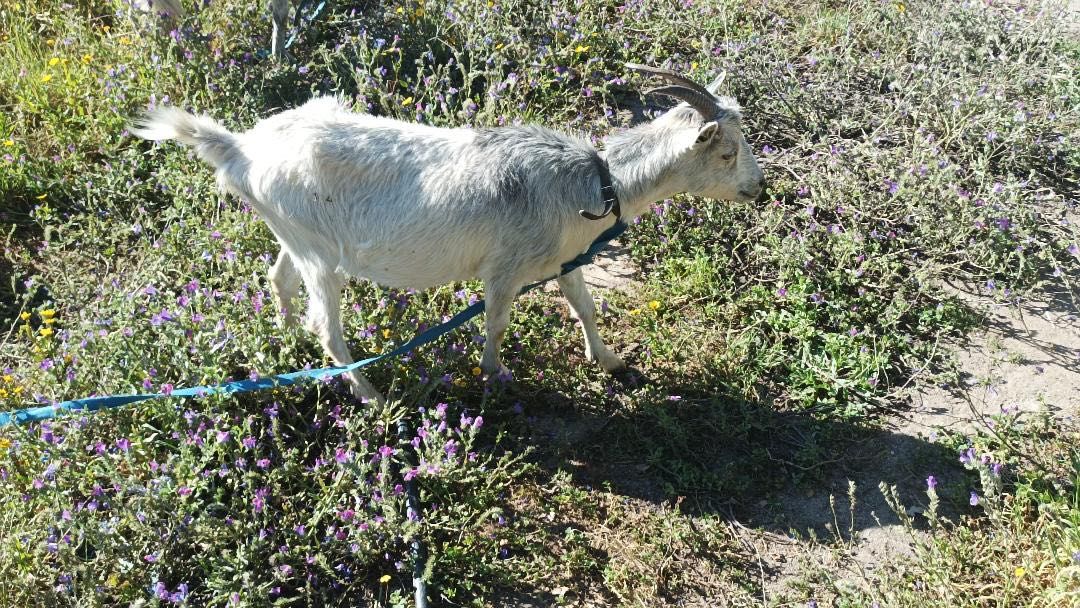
(279,12)
(409,205)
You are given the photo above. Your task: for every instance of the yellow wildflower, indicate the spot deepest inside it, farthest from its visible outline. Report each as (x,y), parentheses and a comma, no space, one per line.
(900,8)
(384,579)
(386,333)
(636,311)
(125,40)
(25,316)
(419,12)
(581,48)
(46,77)
(3,395)
(459,382)
(407,101)
(1020,572)
(8,378)
(46,331)
(476,371)
(41,197)
(654,305)
(9,142)
(17,390)
(48,313)
(54,61)
(87,58)
(400,10)
(5,443)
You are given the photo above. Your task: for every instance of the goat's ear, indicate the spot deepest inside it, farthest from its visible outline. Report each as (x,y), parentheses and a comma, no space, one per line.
(707,132)
(714,86)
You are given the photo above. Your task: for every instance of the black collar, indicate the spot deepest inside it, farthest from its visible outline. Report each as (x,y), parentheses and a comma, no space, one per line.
(607,192)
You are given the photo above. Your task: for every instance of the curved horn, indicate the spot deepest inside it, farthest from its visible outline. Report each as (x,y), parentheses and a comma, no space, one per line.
(705,104)
(681,87)
(668,75)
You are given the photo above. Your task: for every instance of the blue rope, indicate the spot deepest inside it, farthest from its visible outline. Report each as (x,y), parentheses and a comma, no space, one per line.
(298,21)
(93,404)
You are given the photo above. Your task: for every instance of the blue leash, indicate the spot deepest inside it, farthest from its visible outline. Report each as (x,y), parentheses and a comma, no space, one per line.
(298,20)
(92,404)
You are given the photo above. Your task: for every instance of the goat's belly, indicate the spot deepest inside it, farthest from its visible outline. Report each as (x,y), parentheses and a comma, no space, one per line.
(410,269)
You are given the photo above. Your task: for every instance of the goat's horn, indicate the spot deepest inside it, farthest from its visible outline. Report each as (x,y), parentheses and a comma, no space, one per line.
(704,103)
(670,76)
(700,98)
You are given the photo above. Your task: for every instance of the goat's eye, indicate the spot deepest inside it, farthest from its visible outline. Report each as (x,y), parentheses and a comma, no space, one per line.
(728,157)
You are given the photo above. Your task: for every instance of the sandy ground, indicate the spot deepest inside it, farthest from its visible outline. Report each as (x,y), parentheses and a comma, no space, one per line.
(1025,357)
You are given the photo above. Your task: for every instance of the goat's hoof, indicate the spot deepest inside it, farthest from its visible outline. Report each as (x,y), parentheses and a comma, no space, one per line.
(491,371)
(608,360)
(367,393)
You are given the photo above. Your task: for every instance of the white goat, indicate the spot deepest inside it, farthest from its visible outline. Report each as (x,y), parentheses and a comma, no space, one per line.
(279,11)
(408,205)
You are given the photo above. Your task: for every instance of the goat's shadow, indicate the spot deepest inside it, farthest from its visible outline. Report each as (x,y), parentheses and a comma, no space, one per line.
(688,439)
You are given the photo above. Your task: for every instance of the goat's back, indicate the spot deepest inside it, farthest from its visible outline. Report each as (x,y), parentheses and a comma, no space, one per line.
(413,205)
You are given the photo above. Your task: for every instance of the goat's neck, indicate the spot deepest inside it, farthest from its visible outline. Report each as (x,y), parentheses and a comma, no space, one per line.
(640,161)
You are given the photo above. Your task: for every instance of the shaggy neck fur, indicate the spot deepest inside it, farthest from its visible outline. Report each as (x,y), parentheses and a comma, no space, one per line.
(642,159)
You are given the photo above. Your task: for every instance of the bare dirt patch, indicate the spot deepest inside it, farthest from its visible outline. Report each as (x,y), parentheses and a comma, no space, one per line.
(1024,358)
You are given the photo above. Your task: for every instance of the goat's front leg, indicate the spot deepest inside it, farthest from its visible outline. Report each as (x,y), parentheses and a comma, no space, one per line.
(279,11)
(324,320)
(498,299)
(583,309)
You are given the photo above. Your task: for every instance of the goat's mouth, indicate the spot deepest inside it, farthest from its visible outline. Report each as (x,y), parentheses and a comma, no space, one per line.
(750,195)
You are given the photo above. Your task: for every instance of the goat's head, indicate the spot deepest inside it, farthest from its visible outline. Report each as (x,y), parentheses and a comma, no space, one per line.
(713,158)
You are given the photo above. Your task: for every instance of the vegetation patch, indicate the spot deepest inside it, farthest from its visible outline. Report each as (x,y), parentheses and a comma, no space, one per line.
(908,147)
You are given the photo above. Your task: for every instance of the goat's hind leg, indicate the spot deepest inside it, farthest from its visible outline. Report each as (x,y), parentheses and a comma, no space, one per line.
(279,11)
(285,283)
(324,320)
(582,306)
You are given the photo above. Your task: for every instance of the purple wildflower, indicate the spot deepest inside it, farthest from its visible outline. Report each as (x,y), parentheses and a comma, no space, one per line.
(967,456)
(259,502)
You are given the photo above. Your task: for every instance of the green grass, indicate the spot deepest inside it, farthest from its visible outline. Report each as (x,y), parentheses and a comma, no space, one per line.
(907,145)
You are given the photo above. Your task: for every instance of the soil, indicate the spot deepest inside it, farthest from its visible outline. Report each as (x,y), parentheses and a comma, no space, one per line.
(1025,356)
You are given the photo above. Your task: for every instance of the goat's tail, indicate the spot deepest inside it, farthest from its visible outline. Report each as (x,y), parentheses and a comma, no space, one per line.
(211,140)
